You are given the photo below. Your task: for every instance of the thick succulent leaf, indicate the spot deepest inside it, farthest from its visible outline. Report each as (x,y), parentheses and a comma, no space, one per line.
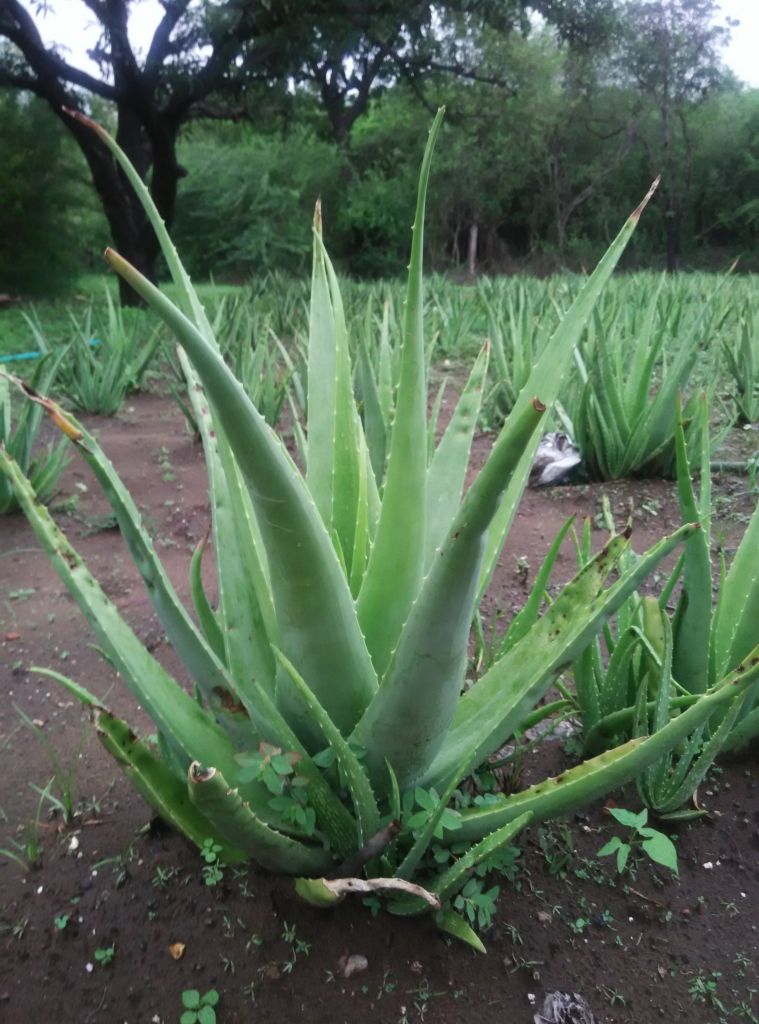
(546,379)
(414,857)
(747,729)
(246,607)
(333,818)
(737,621)
(159,787)
(374,423)
(409,715)
(446,473)
(494,706)
(206,615)
(599,775)
(450,880)
(396,561)
(319,630)
(189,302)
(364,802)
(191,731)
(451,923)
(336,449)
(236,821)
(527,616)
(204,666)
(693,619)
(318,571)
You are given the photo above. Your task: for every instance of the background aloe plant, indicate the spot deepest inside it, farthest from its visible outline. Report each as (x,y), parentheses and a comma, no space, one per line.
(742,358)
(110,352)
(656,667)
(331,676)
(18,435)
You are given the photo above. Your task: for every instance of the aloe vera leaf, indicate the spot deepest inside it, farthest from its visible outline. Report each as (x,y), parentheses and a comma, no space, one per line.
(693,618)
(362,535)
(236,821)
(599,738)
(333,454)
(413,858)
(696,762)
(451,923)
(191,730)
(355,495)
(492,708)
(526,617)
(203,664)
(746,730)
(396,562)
(609,387)
(454,877)
(737,624)
(599,775)
(160,789)
(546,379)
(374,423)
(613,694)
(644,356)
(246,608)
(446,473)
(433,421)
(655,680)
(348,648)
(189,302)
(364,801)
(334,819)
(407,719)
(319,630)
(385,387)
(206,615)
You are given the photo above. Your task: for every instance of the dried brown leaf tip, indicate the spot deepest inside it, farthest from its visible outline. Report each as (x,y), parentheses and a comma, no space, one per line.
(635,215)
(82,118)
(61,419)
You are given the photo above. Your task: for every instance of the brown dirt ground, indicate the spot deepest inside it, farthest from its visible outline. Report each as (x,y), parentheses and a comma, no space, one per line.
(643,948)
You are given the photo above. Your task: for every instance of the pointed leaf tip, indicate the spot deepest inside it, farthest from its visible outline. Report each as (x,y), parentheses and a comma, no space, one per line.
(82,118)
(635,215)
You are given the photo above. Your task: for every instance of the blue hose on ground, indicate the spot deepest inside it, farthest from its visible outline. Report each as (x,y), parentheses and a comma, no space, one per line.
(19,356)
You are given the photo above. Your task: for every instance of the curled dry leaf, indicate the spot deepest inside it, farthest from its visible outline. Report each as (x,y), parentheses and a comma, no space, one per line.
(176,949)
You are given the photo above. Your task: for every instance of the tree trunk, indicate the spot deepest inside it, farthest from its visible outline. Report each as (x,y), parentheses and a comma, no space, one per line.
(672,236)
(471,259)
(131,232)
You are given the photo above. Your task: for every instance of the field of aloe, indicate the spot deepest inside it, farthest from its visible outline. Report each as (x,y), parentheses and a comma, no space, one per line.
(358,635)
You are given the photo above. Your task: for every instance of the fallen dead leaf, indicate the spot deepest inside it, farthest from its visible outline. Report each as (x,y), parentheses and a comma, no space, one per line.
(177,950)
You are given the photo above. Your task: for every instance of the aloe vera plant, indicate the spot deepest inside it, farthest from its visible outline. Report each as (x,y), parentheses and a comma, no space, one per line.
(636,358)
(330,679)
(743,363)
(97,377)
(42,467)
(655,667)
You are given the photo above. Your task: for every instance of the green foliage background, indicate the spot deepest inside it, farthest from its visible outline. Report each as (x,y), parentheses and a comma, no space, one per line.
(51,227)
(544,165)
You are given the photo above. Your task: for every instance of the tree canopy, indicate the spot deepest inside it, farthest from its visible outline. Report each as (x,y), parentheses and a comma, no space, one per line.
(559,113)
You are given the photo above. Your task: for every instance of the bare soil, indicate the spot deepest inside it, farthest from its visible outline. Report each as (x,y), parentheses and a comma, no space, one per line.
(643,947)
